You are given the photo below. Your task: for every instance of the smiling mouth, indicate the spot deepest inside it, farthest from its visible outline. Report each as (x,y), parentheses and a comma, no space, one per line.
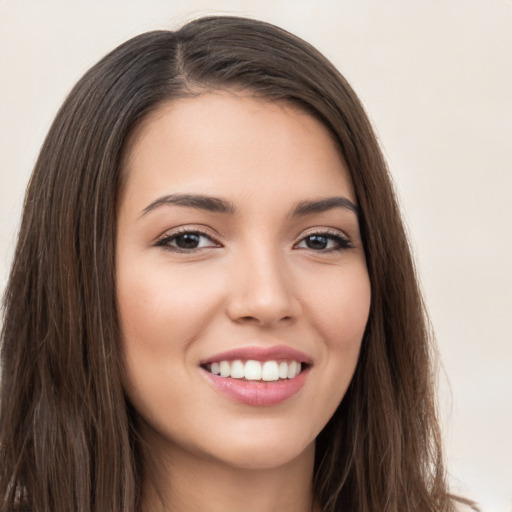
(252,370)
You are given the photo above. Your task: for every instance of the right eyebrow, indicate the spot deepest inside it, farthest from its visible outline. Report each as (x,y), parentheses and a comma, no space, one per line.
(212,204)
(325,204)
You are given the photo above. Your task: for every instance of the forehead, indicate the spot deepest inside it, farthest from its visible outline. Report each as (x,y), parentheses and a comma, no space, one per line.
(230,143)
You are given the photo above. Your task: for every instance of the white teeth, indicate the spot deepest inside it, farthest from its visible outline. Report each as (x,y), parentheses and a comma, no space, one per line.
(225,369)
(283,370)
(268,371)
(237,370)
(292,369)
(253,370)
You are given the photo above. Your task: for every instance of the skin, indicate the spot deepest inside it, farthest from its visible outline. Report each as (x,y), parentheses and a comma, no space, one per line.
(253,281)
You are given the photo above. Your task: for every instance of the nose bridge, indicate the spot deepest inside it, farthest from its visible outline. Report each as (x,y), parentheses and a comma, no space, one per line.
(262,290)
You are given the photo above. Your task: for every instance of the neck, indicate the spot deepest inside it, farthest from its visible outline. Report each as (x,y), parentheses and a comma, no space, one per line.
(185,482)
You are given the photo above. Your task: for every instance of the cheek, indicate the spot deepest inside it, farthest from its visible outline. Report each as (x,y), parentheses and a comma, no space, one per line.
(340,318)
(341,308)
(160,315)
(163,310)
(347,322)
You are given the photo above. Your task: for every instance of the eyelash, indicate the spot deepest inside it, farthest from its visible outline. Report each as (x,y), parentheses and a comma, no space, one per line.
(165,241)
(342,242)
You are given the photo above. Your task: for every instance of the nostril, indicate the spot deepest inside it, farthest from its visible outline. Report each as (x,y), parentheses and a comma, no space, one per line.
(263,320)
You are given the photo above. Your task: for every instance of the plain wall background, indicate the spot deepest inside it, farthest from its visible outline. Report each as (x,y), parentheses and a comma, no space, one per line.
(436,79)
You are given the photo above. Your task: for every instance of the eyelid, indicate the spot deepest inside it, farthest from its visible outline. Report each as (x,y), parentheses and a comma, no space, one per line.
(327,232)
(164,239)
(319,230)
(161,240)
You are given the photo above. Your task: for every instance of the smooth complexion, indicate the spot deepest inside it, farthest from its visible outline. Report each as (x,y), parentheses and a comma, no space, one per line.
(268,261)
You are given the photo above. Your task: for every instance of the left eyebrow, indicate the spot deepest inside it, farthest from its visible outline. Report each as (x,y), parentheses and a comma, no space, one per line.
(212,204)
(323,205)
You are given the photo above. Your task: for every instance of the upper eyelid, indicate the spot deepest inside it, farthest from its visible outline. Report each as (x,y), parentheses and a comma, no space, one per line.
(205,231)
(344,239)
(201,230)
(165,241)
(324,231)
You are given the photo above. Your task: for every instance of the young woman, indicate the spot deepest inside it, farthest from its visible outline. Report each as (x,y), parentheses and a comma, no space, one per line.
(213,304)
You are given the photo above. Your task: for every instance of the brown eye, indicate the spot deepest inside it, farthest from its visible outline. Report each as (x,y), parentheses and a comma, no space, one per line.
(324,242)
(186,241)
(316,242)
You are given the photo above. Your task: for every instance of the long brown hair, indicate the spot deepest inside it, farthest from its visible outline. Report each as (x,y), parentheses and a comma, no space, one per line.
(68,439)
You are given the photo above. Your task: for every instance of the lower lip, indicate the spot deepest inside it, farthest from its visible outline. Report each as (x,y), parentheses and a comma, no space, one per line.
(258,392)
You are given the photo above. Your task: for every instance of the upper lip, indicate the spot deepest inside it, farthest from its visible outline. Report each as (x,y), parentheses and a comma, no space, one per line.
(278,352)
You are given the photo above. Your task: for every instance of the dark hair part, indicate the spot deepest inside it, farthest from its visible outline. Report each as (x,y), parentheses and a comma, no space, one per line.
(67,436)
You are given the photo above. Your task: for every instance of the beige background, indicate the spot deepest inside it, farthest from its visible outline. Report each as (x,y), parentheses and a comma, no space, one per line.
(436,78)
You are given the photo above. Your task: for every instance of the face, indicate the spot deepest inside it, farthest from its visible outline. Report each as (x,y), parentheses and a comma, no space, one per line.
(243,292)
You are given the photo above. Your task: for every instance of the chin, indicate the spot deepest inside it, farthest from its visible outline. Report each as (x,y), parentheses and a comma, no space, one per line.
(265,458)
(266,450)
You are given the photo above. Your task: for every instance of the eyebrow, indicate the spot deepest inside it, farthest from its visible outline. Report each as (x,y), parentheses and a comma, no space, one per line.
(217,205)
(323,205)
(211,204)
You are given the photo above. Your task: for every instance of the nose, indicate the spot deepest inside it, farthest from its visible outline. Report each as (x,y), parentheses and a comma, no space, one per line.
(262,291)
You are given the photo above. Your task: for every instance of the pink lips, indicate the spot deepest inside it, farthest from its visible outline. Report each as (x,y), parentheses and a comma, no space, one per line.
(277,353)
(259,393)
